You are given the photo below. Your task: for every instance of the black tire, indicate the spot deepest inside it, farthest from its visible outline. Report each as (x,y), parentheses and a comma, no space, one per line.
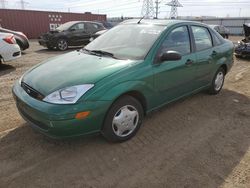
(62,44)
(110,129)
(19,43)
(216,88)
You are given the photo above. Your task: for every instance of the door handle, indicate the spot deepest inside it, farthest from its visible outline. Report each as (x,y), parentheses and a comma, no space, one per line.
(189,62)
(214,53)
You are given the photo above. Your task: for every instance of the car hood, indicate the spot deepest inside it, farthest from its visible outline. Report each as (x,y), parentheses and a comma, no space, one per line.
(71,69)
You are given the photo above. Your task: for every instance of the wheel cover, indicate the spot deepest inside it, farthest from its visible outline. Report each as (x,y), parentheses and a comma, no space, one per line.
(62,45)
(125,121)
(218,83)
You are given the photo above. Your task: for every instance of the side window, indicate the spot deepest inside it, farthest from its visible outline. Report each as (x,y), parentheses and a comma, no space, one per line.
(96,26)
(216,40)
(79,26)
(202,38)
(177,40)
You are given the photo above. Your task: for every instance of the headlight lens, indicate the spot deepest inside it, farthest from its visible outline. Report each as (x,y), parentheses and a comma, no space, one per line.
(68,95)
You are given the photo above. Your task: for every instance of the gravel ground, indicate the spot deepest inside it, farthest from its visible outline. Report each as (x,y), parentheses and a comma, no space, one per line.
(201,141)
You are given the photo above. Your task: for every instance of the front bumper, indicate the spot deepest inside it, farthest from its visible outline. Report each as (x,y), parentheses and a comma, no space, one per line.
(58,121)
(11,52)
(46,43)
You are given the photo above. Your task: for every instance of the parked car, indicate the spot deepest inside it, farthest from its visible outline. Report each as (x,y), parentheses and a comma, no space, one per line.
(9,50)
(97,34)
(21,38)
(222,30)
(242,49)
(106,24)
(134,68)
(75,33)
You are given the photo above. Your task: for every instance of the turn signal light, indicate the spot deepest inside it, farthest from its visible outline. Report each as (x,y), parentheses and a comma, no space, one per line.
(82,115)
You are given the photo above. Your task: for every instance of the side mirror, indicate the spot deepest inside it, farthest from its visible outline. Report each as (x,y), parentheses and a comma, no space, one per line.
(170,56)
(72,29)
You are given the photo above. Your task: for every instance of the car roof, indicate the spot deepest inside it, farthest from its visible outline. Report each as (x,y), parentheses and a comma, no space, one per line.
(5,34)
(74,22)
(163,22)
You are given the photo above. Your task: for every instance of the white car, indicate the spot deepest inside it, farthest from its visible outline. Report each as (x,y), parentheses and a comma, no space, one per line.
(9,49)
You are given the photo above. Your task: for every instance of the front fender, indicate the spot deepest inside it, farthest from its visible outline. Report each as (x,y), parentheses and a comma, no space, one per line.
(112,93)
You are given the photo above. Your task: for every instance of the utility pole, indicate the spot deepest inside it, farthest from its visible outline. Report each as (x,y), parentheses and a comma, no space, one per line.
(23,4)
(147,10)
(174,4)
(157,2)
(3,3)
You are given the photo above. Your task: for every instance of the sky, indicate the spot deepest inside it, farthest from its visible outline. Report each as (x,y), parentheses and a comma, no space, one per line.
(132,8)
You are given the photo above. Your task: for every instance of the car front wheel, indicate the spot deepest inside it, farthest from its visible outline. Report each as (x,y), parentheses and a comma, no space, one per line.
(123,119)
(62,44)
(217,82)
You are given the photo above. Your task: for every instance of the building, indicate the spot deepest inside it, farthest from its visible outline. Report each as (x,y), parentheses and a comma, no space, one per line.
(34,23)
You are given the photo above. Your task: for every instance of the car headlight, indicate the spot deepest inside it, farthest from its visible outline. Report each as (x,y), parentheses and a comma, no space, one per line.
(20,80)
(68,95)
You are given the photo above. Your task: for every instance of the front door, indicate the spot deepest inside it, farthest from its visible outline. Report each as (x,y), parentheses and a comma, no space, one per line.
(174,79)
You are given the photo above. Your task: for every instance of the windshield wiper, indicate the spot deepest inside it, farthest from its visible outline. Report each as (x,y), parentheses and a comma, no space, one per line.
(99,53)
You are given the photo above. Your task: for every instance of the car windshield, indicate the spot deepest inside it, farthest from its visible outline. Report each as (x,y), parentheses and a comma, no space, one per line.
(64,26)
(127,41)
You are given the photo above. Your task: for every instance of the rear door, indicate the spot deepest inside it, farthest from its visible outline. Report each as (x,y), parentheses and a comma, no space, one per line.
(206,54)
(174,79)
(78,34)
(94,27)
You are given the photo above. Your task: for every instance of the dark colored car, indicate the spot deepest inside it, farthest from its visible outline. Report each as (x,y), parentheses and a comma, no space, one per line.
(74,33)
(97,34)
(21,38)
(242,49)
(222,30)
(106,24)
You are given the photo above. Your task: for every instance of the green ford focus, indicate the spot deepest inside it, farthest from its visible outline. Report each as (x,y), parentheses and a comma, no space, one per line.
(112,83)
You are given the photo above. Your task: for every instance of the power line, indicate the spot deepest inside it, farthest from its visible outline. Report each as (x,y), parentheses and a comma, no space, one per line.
(157,7)
(120,6)
(174,4)
(22,4)
(147,10)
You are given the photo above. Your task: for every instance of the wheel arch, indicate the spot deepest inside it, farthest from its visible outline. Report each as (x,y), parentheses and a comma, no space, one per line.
(138,96)
(19,42)
(224,66)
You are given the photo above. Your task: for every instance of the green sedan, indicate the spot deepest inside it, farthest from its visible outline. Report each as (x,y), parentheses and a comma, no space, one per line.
(112,83)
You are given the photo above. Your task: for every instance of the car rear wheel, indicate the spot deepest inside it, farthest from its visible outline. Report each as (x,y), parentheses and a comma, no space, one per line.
(217,82)
(123,119)
(62,45)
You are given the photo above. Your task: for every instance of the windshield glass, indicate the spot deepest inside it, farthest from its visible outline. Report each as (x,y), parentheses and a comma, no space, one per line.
(127,41)
(64,26)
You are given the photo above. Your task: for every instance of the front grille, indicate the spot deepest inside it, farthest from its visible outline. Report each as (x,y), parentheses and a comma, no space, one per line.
(32,92)
(16,54)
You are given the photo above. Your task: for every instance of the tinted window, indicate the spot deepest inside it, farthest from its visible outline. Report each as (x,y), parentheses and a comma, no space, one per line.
(216,40)
(202,38)
(79,26)
(177,40)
